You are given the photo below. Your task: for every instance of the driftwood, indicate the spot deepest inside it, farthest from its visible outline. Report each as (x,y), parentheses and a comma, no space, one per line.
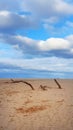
(17,81)
(58,84)
(43,87)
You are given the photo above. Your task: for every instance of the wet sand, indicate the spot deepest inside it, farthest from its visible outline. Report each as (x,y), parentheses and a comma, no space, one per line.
(22,108)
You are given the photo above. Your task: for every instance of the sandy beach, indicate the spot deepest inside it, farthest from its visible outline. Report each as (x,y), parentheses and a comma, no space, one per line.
(44,108)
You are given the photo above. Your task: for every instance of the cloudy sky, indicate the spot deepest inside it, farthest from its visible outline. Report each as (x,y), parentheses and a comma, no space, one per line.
(36,38)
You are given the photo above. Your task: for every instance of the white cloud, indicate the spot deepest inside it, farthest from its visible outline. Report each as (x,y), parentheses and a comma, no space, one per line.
(43,11)
(13,21)
(56,46)
(42,64)
(49,11)
(47,45)
(46,8)
(43,8)
(63,7)
(70,39)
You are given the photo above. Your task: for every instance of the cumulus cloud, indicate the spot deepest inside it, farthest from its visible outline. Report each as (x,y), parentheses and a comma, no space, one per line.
(52,46)
(48,13)
(45,8)
(11,22)
(70,38)
(42,8)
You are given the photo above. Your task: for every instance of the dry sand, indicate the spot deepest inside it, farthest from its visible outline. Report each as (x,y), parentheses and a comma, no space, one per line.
(22,108)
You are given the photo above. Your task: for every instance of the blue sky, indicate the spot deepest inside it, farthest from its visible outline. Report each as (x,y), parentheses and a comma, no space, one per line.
(36,39)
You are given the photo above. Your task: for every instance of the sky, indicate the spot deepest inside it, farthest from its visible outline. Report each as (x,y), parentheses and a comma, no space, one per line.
(36,39)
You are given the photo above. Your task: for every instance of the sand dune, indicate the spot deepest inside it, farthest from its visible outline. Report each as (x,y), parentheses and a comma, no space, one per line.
(22,108)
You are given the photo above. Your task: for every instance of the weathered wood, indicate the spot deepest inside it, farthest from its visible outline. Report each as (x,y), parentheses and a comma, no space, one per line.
(43,87)
(58,83)
(17,81)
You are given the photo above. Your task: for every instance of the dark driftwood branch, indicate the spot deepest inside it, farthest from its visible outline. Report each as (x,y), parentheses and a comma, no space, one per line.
(58,84)
(43,87)
(13,81)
